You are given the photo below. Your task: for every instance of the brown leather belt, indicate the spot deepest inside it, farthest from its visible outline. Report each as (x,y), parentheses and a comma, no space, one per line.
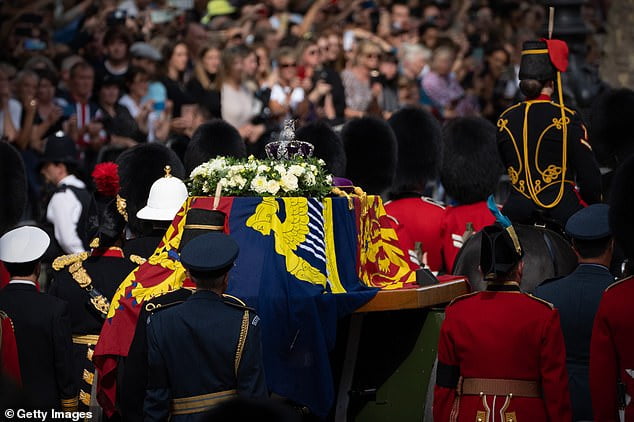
(500,387)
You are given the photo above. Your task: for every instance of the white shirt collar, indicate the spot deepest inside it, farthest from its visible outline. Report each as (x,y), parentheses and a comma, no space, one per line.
(20,281)
(72,180)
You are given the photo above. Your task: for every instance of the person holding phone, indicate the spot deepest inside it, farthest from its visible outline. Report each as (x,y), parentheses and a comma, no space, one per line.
(361,95)
(51,111)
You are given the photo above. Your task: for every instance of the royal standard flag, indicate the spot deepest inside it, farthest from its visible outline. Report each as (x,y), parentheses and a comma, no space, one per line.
(303,264)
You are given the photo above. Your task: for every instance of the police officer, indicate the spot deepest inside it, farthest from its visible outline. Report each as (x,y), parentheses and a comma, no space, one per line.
(577,297)
(210,343)
(42,323)
(88,281)
(544,145)
(612,344)
(501,352)
(69,208)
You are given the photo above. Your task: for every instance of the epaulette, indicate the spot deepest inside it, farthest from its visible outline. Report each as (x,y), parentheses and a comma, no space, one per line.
(433,202)
(66,260)
(136,259)
(464,296)
(616,283)
(545,302)
(235,302)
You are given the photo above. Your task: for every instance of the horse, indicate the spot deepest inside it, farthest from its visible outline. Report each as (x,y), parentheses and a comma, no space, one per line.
(547,254)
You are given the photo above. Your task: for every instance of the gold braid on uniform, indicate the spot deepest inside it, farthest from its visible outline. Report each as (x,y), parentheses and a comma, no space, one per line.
(244,330)
(70,405)
(66,260)
(136,259)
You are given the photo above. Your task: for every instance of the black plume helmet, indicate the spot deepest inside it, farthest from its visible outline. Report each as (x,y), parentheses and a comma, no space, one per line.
(418,136)
(213,139)
(371,152)
(328,145)
(471,166)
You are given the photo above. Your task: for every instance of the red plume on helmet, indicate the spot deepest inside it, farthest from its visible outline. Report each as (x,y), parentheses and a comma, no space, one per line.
(106,178)
(558,52)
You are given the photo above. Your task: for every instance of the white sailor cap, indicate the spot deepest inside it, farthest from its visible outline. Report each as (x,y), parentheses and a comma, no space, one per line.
(24,244)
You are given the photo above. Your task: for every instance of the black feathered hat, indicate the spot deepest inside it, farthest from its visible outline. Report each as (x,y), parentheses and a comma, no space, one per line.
(139,168)
(418,136)
(111,225)
(541,60)
(498,254)
(471,165)
(621,206)
(13,187)
(610,123)
(328,145)
(213,139)
(371,152)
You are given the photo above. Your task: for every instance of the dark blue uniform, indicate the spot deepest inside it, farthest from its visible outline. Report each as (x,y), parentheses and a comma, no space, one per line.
(577,298)
(201,352)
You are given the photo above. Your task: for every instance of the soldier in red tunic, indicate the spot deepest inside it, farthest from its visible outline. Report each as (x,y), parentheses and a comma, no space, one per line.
(470,173)
(612,344)
(501,352)
(417,217)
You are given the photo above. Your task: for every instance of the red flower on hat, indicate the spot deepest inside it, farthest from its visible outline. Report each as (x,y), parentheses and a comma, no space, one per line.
(106,178)
(558,52)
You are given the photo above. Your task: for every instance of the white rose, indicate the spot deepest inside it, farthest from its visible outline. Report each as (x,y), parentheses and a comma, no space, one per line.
(296,170)
(288,182)
(280,169)
(259,184)
(309,178)
(262,168)
(321,162)
(272,187)
(206,187)
(240,181)
(329,179)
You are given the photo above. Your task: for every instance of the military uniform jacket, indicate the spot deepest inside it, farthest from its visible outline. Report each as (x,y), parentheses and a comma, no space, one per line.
(143,246)
(504,335)
(418,219)
(612,353)
(201,347)
(537,164)
(42,332)
(454,225)
(133,369)
(577,297)
(88,284)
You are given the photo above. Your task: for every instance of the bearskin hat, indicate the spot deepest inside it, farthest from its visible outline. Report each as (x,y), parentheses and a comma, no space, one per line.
(328,145)
(610,123)
(471,165)
(212,139)
(13,187)
(139,168)
(371,152)
(621,206)
(418,136)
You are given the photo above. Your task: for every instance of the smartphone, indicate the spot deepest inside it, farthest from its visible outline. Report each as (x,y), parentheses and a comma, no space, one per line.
(159,106)
(33,44)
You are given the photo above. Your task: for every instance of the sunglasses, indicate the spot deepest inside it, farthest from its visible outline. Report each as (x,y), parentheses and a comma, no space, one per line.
(312,52)
(372,55)
(283,65)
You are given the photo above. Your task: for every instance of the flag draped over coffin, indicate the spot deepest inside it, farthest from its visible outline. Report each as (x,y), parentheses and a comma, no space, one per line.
(303,264)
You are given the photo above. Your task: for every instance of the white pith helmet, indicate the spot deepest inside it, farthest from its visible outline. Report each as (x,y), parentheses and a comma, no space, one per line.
(166,197)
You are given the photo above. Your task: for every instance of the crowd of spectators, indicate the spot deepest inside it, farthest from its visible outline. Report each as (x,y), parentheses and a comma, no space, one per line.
(111,74)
